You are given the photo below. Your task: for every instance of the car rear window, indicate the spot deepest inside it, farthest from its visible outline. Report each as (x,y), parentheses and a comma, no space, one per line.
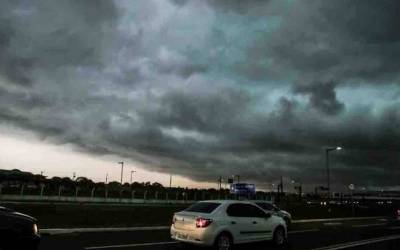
(203,207)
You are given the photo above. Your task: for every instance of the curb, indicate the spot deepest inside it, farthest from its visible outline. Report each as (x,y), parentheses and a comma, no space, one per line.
(56,231)
(338,219)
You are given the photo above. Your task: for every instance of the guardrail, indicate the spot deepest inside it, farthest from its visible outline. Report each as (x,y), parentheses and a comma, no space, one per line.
(37,198)
(79,199)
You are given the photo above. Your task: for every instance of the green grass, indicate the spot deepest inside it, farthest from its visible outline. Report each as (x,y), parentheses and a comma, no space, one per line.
(67,215)
(86,215)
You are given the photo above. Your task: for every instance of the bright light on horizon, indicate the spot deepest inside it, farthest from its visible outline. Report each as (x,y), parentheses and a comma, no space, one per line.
(25,151)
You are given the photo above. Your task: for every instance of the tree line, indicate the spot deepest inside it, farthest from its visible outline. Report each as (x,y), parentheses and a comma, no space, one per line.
(26,183)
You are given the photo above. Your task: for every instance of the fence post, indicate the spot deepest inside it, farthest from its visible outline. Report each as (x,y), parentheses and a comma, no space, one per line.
(156,195)
(92,194)
(59,191)
(145,195)
(42,186)
(22,189)
(133,194)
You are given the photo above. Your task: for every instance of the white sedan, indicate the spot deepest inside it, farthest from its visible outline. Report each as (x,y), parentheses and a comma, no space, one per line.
(224,223)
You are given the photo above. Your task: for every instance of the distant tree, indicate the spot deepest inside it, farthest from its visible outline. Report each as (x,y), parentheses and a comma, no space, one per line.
(84,183)
(157,185)
(113,186)
(67,182)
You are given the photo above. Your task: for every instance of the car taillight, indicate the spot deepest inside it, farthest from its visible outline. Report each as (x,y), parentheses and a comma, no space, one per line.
(201,222)
(398,212)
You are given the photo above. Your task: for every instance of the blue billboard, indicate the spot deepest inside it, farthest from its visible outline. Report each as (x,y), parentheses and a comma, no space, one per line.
(243,188)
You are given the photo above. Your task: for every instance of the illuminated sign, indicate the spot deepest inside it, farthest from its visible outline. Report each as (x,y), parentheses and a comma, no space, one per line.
(243,188)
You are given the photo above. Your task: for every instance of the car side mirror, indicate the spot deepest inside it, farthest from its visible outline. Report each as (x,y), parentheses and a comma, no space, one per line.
(267,215)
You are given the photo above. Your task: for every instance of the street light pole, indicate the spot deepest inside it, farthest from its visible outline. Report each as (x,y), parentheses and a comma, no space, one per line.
(327,150)
(122,169)
(328,181)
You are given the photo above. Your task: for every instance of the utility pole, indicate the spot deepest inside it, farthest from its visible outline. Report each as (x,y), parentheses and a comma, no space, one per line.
(170,181)
(106,178)
(327,150)
(328,181)
(122,169)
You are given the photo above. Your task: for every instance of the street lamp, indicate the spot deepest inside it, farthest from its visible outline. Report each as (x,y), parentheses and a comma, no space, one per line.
(122,169)
(297,186)
(327,150)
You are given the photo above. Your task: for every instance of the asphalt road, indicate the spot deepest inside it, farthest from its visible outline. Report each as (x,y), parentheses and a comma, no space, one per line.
(374,234)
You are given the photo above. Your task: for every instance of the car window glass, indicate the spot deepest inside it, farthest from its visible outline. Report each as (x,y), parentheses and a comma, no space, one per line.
(244,210)
(253,211)
(266,206)
(203,207)
(235,210)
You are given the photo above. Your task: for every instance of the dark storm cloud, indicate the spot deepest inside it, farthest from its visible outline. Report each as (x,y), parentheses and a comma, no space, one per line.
(236,6)
(49,35)
(145,80)
(322,97)
(315,42)
(214,111)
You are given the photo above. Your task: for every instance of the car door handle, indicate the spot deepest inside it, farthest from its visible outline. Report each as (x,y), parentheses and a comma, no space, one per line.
(254,222)
(233,222)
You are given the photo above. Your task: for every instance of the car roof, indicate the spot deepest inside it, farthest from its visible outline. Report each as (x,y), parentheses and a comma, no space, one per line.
(269,202)
(228,201)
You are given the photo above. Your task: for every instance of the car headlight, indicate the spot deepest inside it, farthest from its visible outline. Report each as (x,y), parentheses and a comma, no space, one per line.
(35,229)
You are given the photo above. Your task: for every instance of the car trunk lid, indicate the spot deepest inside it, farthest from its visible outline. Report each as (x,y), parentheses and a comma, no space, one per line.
(187,220)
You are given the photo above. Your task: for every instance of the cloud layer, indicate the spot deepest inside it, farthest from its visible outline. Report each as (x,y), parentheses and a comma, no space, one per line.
(209,88)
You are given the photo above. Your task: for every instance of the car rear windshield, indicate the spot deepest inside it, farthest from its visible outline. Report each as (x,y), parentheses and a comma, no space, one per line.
(203,207)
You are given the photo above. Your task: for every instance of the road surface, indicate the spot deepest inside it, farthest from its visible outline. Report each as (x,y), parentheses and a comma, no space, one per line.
(370,234)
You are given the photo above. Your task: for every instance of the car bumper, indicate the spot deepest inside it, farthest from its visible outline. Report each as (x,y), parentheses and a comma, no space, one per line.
(200,237)
(21,242)
(31,242)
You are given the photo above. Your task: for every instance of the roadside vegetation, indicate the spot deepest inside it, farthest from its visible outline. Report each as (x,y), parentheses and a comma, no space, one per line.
(67,215)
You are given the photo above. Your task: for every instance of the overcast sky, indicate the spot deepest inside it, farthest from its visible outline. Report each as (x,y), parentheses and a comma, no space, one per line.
(203,89)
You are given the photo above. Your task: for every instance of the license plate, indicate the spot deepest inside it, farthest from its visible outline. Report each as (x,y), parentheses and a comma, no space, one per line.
(182,236)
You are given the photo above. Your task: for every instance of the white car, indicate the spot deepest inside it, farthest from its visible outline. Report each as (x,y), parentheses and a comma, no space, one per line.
(224,223)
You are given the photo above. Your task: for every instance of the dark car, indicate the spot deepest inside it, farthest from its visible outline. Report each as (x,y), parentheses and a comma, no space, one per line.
(268,206)
(18,231)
